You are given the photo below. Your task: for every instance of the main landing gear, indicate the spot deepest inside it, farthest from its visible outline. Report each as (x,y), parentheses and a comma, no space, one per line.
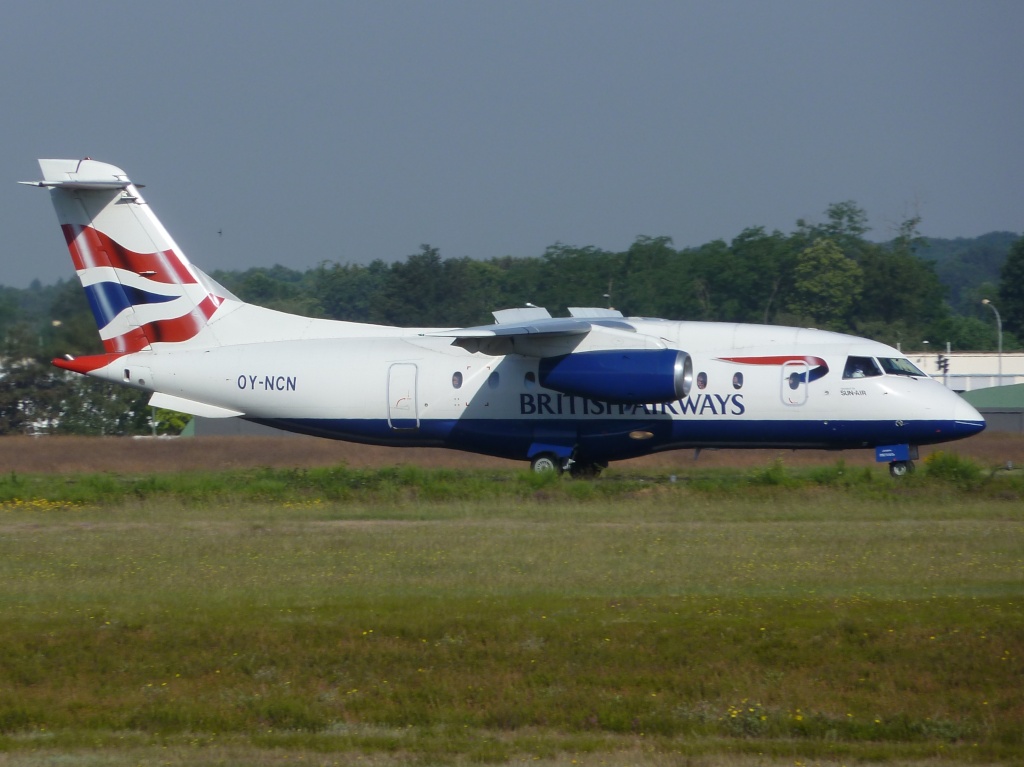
(583,470)
(546,462)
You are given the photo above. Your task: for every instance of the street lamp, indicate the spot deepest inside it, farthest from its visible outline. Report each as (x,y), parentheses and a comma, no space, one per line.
(999,331)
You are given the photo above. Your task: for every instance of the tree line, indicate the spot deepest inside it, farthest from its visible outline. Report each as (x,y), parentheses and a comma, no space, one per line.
(823,274)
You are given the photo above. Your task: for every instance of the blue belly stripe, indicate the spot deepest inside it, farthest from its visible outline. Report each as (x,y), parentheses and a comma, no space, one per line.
(610,440)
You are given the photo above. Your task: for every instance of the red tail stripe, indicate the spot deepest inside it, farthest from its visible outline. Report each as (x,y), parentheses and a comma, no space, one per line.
(85,365)
(181,328)
(176,330)
(132,341)
(90,248)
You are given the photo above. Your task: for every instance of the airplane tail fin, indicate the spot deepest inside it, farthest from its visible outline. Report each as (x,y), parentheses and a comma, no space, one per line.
(141,287)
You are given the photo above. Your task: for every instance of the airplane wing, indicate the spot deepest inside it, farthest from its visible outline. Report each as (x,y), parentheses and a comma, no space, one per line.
(533,332)
(595,353)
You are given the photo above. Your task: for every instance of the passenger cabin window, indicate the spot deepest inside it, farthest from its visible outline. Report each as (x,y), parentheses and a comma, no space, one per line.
(861,367)
(900,366)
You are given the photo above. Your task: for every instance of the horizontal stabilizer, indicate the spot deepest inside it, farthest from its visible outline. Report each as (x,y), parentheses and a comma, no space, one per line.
(80,174)
(191,407)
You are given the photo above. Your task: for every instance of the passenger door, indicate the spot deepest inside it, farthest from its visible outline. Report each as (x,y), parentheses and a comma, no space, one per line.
(402,409)
(795,374)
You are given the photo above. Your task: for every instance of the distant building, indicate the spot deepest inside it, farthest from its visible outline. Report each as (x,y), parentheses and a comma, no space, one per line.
(1002,406)
(967,371)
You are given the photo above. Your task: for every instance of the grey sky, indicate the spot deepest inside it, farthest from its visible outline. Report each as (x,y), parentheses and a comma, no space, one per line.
(350,131)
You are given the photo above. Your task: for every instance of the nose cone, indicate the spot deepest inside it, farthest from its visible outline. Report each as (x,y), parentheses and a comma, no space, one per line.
(966,420)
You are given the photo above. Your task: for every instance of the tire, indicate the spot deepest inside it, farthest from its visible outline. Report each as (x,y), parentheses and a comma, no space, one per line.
(546,462)
(901,468)
(585,470)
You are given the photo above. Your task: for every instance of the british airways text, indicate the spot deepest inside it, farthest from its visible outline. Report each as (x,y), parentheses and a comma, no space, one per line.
(565,404)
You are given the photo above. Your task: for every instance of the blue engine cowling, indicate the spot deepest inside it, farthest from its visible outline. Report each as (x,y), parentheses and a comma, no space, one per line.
(634,376)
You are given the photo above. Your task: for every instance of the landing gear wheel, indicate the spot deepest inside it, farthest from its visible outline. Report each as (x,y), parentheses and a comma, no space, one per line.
(546,462)
(901,468)
(586,470)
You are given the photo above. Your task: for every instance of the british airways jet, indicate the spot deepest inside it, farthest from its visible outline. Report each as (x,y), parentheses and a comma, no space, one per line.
(566,393)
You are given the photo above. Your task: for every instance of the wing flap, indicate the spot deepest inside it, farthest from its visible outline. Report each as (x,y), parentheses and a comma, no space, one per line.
(531,332)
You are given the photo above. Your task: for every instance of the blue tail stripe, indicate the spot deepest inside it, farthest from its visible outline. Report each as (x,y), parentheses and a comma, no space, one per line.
(109,299)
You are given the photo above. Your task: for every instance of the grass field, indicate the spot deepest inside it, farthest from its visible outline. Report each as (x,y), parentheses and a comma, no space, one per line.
(763,616)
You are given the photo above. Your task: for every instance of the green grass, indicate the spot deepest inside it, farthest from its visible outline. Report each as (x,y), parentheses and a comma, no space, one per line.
(410,616)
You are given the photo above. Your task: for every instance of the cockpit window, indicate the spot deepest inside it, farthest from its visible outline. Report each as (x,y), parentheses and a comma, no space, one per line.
(900,366)
(860,367)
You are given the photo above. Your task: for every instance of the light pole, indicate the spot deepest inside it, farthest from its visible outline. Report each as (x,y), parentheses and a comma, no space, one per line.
(999,331)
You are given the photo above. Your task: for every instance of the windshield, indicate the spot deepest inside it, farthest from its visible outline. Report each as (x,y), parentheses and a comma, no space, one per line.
(860,367)
(899,366)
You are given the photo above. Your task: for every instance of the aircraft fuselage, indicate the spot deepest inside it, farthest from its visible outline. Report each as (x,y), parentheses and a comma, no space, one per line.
(417,390)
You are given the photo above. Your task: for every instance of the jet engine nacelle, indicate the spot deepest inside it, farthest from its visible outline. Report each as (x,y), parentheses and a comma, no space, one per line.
(635,377)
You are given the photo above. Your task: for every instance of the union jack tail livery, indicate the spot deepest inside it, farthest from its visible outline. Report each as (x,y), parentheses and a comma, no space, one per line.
(141,287)
(565,393)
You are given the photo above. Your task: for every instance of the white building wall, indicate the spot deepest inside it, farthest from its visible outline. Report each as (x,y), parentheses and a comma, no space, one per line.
(972,370)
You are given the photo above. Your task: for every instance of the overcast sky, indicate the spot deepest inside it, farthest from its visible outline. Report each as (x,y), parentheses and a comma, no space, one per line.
(353,131)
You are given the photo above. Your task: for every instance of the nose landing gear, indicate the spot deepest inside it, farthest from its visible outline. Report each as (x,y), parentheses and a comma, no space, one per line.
(901,468)
(900,458)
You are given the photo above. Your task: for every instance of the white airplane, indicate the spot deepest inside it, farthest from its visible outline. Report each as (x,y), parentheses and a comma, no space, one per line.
(570,393)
